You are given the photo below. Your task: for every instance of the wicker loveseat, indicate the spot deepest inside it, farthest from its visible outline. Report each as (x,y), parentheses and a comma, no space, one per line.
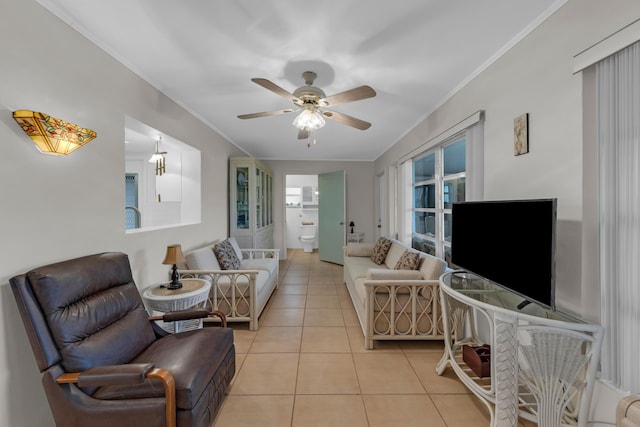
(394,304)
(241,293)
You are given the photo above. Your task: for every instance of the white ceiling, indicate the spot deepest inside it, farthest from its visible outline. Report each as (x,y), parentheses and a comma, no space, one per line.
(203,53)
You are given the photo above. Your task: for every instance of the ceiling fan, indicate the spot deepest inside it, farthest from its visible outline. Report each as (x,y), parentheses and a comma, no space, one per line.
(314,104)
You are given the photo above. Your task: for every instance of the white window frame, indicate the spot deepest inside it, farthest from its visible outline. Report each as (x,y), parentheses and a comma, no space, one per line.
(472,128)
(439,179)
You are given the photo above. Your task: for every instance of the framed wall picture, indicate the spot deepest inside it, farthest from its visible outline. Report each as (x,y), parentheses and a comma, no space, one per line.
(521,134)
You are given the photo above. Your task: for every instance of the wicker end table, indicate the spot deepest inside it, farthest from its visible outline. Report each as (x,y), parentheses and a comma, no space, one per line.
(193,294)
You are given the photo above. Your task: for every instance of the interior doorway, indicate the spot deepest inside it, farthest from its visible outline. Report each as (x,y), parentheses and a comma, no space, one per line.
(301,206)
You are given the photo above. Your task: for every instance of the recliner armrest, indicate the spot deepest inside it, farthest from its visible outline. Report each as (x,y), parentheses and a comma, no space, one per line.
(134,373)
(199,313)
(127,374)
(174,316)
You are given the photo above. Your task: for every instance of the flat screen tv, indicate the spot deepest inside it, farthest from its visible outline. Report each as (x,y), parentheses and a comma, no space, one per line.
(510,242)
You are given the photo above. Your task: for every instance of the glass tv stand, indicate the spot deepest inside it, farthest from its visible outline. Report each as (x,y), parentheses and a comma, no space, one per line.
(543,363)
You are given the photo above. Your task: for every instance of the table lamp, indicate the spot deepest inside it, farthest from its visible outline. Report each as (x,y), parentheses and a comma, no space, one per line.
(352,224)
(174,256)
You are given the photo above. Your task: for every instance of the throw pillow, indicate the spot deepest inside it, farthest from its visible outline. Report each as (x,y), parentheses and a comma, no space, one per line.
(380,250)
(236,247)
(408,261)
(226,255)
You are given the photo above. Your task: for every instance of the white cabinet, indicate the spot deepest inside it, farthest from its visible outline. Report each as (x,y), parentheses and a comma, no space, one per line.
(293,198)
(251,203)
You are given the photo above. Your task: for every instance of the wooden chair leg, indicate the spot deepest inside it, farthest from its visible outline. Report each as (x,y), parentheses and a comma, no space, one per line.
(169,393)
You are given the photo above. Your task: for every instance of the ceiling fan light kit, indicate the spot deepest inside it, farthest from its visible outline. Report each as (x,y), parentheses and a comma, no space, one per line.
(310,120)
(313,103)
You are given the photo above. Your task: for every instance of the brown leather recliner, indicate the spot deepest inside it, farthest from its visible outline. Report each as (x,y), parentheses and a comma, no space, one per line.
(104,363)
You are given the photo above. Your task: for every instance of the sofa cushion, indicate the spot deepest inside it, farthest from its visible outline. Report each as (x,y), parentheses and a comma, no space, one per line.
(236,247)
(358,267)
(359,249)
(393,256)
(432,267)
(361,291)
(409,260)
(380,250)
(269,265)
(226,255)
(202,259)
(384,274)
(263,291)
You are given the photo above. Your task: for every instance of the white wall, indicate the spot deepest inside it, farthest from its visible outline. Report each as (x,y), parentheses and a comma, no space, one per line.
(55,208)
(360,181)
(535,77)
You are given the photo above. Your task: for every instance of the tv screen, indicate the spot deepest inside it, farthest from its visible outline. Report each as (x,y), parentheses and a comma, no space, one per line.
(510,242)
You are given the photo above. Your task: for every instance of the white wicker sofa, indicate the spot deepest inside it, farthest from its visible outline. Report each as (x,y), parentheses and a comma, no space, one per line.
(240,293)
(394,304)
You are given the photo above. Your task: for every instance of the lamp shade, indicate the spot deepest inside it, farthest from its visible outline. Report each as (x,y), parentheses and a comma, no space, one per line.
(174,255)
(310,120)
(51,135)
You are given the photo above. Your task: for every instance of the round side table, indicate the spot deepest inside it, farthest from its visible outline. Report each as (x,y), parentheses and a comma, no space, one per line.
(193,294)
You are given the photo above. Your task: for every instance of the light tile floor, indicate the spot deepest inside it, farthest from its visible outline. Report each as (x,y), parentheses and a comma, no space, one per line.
(306,365)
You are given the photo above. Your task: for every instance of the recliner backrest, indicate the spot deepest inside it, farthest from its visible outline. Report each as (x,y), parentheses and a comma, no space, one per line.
(92,309)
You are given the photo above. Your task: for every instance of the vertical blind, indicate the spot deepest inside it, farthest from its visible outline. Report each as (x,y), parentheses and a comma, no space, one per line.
(618,110)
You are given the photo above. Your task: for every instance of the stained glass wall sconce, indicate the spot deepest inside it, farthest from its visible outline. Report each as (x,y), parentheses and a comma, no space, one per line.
(51,135)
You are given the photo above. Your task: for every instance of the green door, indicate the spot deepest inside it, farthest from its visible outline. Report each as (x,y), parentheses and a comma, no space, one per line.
(331,216)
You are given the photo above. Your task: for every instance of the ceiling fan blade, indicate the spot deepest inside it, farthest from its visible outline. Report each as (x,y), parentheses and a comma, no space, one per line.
(264,114)
(267,84)
(356,94)
(303,133)
(346,120)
